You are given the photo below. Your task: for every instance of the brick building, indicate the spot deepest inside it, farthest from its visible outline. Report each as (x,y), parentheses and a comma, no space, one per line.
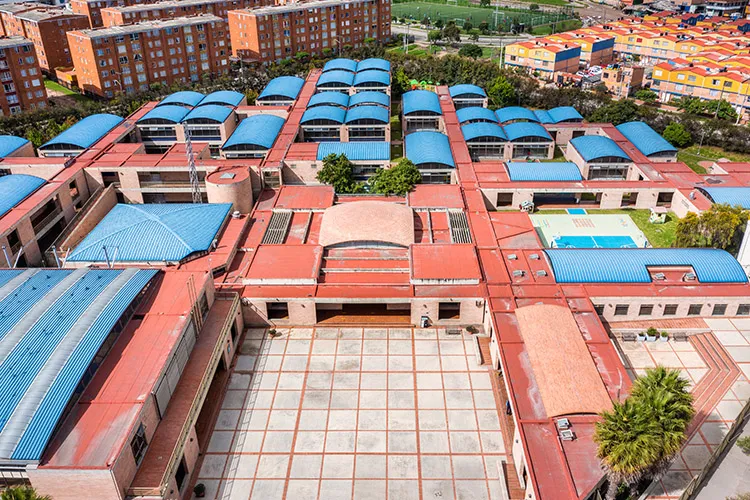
(130,58)
(128,14)
(20,77)
(92,8)
(274,33)
(46,27)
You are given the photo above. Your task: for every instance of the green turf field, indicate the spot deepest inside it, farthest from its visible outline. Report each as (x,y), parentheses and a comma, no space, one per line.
(477,15)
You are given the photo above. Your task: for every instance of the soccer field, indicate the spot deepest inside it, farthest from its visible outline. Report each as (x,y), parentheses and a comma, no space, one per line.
(477,15)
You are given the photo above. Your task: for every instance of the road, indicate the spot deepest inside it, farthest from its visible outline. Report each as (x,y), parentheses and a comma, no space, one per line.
(420,35)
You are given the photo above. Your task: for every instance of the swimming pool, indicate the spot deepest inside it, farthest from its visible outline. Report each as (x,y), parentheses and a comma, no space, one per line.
(594,242)
(576,211)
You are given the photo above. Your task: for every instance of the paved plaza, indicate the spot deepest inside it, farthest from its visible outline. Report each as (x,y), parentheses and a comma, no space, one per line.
(363,413)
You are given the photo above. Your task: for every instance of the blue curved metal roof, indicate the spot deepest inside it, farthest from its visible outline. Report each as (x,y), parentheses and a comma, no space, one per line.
(10,143)
(169,112)
(483,129)
(340,64)
(15,188)
(183,98)
(515,113)
(372,76)
(421,100)
(517,130)
(466,88)
(543,171)
(336,76)
(645,139)
(428,147)
(225,97)
(283,86)
(369,97)
(591,147)
(543,116)
(373,63)
(87,131)
(730,195)
(362,151)
(153,233)
(565,113)
(213,112)
(475,113)
(332,113)
(630,265)
(378,113)
(260,130)
(329,98)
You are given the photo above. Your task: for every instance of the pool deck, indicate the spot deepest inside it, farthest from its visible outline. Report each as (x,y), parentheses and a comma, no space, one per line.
(554,226)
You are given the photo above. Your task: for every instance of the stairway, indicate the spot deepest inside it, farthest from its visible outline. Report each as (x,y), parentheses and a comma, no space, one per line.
(385,266)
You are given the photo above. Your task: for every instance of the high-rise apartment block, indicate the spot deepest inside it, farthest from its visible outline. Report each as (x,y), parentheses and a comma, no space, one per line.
(130,58)
(119,15)
(274,33)
(21,86)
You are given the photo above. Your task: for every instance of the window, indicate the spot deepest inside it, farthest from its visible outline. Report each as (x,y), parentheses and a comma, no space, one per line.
(670,309)
(181,474)
(719,310)
(621,309)
(204,306)
(695,309)
(449,310)
(743,310)
(73,188)
(599,308)
(646,310)
(278,310)
(139,444)
(504,199)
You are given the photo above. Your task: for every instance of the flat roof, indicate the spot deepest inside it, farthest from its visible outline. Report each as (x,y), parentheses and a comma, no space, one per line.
(43,360)
(304,197)
(279,264)
(15,188)
(152,233)
(151,25)
(316,4)
(431,262)
(436,196)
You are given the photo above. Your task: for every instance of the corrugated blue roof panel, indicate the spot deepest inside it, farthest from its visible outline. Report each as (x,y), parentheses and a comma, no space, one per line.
(214,112)
(421,100)
(475,113)
(591,147)
(482,129)
(183,98)
(87,131)
(515,113)
(170,112)
(543,171)
(283,86)
(645,139)
(332,113)
(374,63)
(730,195)
(565,114)
(328,99)
(630,265)
(15,188)
(369,97)
(429,147)
(341,78)
(378,113)
(10,143)
(153,233)
(466,89)
(8,274)
(223,97)
(356,151)
(372,76)
(34,439)
(517,130)
(259,130)
(544,116)
(340,64)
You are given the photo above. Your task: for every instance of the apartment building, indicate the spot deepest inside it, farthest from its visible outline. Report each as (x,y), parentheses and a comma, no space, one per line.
(622,79)
(274,33)
(545,57)
(92,8)
(20,77)
(136,13)
(707,82)
(46,27)
(129,58)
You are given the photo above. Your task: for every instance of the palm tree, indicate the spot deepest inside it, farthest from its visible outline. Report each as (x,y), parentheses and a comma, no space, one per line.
(22,493)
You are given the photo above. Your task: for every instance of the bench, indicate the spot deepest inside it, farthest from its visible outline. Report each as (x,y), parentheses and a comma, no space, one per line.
(680,337)
(629,337)
(454,331)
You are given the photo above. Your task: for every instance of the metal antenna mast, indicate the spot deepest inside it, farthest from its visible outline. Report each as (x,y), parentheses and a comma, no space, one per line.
(195,185)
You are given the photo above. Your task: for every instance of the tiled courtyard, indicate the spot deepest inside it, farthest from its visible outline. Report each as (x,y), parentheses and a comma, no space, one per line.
(363,413)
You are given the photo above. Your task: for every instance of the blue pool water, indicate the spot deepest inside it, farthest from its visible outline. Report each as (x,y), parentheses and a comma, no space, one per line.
(594,242)
(576,211)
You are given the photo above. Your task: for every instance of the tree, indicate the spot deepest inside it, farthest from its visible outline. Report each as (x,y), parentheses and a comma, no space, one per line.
(721,226)
(615,113)
(470,50)
(22,493)
(399,179)
(646,95)
(451,32)
(501,92)
(484,3)
(400,83)
(474,36)
(484,27)
(468,26)
(692,105)
(722,110)
(533,7)
(677,135)
(338,172)
(434,36)
(439,24)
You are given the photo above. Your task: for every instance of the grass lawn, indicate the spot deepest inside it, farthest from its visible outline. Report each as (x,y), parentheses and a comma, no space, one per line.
(50,85)
(659,235)
(416,50)
(691,157)
(546,29)
(558,156)
(477,15)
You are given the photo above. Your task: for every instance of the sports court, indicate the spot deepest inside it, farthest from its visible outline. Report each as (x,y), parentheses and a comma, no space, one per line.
(576,230)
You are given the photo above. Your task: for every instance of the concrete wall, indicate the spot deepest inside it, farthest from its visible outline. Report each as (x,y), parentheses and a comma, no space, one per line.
(239,194)
(95,213)
(65,484)
(683,304)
